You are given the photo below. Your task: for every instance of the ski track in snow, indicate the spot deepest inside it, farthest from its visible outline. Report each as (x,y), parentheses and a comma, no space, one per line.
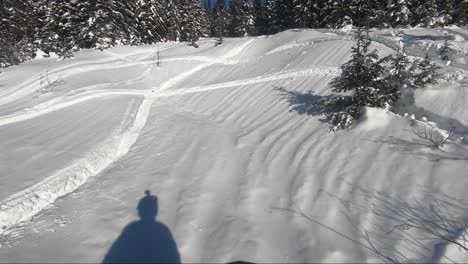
(221,207)
(302,44)
(24,205)
(59,103)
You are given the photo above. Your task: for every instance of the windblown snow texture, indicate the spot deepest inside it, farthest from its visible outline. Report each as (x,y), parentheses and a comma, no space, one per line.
(228,140)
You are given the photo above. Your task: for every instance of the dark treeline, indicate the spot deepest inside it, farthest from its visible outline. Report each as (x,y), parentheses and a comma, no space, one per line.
(64,26)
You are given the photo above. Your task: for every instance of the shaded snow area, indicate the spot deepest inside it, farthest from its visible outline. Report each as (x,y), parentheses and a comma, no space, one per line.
(236,159)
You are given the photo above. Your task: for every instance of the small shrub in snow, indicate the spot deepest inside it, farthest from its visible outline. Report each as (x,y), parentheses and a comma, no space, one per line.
(434,137)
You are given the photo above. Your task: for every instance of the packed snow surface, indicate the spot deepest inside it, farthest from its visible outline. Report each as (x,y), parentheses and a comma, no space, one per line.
(228,140)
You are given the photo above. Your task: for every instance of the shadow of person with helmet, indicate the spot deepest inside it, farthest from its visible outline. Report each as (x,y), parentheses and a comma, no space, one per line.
(145,240)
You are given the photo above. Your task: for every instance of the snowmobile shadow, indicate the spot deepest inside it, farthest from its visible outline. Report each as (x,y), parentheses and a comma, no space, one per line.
(145,240)
(436,216)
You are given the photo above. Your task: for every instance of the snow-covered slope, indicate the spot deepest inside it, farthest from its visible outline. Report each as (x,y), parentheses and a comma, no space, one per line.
(227,140)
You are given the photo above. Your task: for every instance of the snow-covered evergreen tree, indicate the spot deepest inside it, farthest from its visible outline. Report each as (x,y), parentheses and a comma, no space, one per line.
(150,17)
(61,31)
(397,14)
(402,76)
(172,21)
(460,13)
(284,15)
(305,15)
(192,20)
(270,24)
(444,12)
(7,39)
(427,73)
(101,30)
(210,18)
(19,29)
(424,13)
(248,18)
(220,21)
(362,83)
(338,14)
(124,17)
(241,21)
(259,18)
(235,16)
(375,12)
(401,70)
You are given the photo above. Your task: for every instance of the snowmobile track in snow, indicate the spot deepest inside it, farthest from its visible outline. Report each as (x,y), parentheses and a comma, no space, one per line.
(25,204)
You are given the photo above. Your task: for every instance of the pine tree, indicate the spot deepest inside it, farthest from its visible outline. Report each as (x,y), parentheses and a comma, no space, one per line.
(364,76)
(220,21)
(241,21)
(304,13)
(172,21)
(460,13)
(101,30)
(322,10)
(235,16)
(7,40)
(376,12)
(339,13)
(151,27)
(192,20)
(270,25)
(444,12)
(259,19)
(424,13)
(401,72)
(284,15)
(248,18)
(210,18)
(19,29)
(402,76)
(397,13)
(61,31)
(427,73)
(89,29)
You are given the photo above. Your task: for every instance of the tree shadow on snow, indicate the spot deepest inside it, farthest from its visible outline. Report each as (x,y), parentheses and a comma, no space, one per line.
(302,103)
(145,240)
(426,150)
(444,122)
(309,103)
(423,226)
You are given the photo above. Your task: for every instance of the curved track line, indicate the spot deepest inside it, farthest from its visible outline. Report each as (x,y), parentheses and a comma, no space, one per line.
(25,204)
(319,71)
(296,44)
(61,103)
(32,85)
(34,81)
